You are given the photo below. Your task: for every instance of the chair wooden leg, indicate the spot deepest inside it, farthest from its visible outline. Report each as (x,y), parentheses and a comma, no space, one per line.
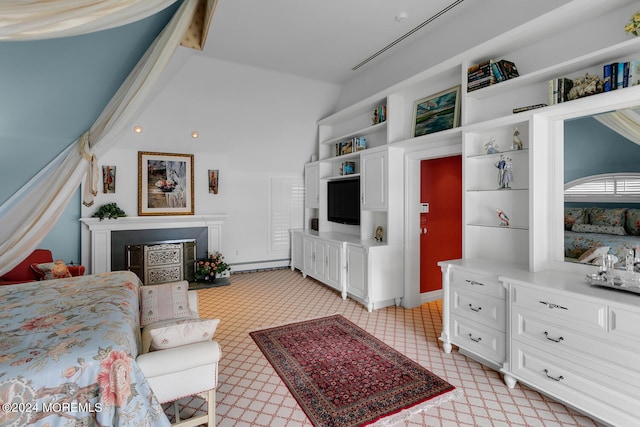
(211,407)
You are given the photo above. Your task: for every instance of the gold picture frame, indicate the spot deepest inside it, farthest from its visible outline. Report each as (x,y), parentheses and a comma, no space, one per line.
(165,184)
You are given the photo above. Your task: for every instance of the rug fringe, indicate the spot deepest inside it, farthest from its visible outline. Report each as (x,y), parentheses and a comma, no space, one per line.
(417,409)
(291,322)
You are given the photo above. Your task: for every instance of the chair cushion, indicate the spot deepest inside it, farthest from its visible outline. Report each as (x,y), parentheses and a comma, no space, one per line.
(176,333)
(51,270)
(164,302)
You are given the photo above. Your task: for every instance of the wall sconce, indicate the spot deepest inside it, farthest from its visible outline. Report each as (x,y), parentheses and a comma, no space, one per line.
(137,129)
(194,134)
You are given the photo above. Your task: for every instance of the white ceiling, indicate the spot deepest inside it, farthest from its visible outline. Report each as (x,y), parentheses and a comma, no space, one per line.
(321,40)
(324,40)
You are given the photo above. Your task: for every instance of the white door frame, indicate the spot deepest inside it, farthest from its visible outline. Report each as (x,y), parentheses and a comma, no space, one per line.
(412,296)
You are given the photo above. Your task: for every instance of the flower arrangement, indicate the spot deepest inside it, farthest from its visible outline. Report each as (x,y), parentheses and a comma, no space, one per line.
(633,27)
(208,268)
(166,185)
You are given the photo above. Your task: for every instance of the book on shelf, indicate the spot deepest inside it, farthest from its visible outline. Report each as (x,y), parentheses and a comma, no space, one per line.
(528,107)
(357,143)
(634,73)
(490,72)
(559,90)
(379,114)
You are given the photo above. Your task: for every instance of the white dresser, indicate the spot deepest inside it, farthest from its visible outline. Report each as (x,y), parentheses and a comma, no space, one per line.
(574,342)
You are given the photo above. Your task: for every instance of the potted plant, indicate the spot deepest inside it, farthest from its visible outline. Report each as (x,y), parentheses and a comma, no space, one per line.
(208,268)
(110,211)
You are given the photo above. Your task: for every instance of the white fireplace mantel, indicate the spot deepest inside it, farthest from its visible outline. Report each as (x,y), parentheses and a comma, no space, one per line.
(96,234)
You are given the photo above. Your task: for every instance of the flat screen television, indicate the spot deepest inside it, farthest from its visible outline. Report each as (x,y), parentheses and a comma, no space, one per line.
(343,201)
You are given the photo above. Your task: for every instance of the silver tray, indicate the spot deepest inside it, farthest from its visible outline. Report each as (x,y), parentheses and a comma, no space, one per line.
(628,285)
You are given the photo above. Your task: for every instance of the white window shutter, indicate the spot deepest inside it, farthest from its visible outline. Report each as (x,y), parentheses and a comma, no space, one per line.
(286,205)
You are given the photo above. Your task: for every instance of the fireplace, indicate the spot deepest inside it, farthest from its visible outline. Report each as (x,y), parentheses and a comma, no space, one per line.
(104,242)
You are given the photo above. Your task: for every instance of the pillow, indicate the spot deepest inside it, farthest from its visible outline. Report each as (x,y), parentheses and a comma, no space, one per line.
(573,216)
(51,270)
(632,222)
(604,216)
(593,253)
(164,302)
(177,333)
(605,229)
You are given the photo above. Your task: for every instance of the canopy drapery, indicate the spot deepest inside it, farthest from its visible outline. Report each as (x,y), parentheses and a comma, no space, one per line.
(44,19)
(31,213)
(626,122)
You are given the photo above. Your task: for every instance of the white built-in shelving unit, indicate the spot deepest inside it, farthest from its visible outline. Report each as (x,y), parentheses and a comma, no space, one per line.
(370,271)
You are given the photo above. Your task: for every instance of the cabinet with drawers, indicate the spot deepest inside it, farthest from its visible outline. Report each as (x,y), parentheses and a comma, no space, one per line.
(550,330)
(473,312)
(577,343)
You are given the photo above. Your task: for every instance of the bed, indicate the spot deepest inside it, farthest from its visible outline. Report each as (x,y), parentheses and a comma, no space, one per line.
(67,354)
(617,229)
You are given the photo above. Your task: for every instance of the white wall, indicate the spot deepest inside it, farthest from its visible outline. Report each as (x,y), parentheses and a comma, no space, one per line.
(253,124)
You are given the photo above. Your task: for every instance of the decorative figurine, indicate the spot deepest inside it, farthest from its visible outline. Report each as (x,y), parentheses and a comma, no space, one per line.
(517,142)
(507,176)
(504,219)
(379,233)
(501,165)
(491,147)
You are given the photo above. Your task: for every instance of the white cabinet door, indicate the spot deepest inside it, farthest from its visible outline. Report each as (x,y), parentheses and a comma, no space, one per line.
(356,271)
(312,186)
(373,185)
(319,259)
(333,273)
(297,251)
(308,251)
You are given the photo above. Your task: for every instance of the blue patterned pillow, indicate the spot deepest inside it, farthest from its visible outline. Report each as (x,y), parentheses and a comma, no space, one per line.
(632,222)
(573,216)
(604,216)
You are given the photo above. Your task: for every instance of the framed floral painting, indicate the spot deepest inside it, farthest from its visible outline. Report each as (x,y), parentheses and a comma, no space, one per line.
(165,184)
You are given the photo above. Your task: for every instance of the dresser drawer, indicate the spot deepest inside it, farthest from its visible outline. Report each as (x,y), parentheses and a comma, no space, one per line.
(564,307)
(480,308)
(556,339)
(625,327)
(612,399)
(487,342)
(477,282)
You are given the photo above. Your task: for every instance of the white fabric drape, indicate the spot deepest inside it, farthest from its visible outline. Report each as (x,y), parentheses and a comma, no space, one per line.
(27,217)
(625,122)
(42,19)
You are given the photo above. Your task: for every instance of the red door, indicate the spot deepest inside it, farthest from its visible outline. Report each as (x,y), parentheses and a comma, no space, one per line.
(441,226)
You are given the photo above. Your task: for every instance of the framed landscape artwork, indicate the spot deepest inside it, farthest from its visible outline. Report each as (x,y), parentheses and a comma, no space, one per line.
(436,112)
(165,184)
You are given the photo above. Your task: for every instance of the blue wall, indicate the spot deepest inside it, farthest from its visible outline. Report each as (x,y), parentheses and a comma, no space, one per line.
(51,91)
(590,148)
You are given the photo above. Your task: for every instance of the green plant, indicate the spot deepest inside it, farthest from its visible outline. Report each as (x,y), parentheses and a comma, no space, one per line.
(211,266)
(110,210)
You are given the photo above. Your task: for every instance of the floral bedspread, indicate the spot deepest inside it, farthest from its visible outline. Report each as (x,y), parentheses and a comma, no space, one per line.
(67,354)
(575,244)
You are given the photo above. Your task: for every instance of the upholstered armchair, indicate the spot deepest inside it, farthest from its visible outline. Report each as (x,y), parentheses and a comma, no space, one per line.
(174,372)
(27,270)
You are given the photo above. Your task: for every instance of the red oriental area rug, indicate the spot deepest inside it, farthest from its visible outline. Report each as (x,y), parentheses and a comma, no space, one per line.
(342,376)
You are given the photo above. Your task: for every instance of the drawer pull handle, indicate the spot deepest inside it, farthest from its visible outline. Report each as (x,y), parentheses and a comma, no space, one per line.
(474,283)
(475,309)
(546,334)
(560,378)
(552,305)
(474,339)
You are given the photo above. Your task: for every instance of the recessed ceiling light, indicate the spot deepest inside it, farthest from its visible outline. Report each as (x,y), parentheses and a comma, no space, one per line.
(401,17)
(137,129)
(194,134)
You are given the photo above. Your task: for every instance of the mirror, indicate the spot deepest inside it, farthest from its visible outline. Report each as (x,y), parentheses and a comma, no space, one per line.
(602,210)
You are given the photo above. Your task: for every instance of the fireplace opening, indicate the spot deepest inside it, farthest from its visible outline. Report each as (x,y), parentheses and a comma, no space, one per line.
(125,240)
